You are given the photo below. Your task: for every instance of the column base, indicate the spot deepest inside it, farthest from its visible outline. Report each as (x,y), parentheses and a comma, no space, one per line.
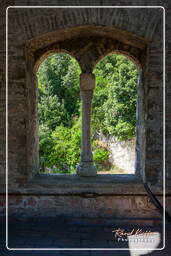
(86,169)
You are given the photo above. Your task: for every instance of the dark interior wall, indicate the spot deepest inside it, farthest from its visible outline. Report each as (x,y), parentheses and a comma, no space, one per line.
(26,24)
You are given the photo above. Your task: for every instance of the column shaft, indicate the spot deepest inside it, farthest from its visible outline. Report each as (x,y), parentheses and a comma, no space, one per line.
(86,152)
(86,167)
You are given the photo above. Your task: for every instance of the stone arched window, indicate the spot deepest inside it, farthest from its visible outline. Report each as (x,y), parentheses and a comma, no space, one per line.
(120,74)
(58,113)
(88,46)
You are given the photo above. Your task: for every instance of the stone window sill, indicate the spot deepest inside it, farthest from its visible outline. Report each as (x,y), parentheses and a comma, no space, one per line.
(101,185)
(73,184)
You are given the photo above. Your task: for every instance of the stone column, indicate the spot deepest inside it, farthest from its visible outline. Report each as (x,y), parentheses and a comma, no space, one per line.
(87,85)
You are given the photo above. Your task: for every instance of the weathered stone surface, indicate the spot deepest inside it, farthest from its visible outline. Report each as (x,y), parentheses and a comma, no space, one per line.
(87,81)
(86,166)
(122,153)
(78,206)
(86,169)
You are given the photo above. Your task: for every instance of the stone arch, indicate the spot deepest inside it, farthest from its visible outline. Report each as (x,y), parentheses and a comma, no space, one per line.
(53,53)
(87,44)
(139,111)
(124,53)
(50,53)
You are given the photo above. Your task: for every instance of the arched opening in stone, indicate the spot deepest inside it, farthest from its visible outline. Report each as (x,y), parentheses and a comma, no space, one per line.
(59,128)
(115,114)
(88,51)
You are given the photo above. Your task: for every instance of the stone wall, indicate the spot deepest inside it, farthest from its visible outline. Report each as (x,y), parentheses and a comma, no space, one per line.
(78,206)
(133,28)
(122,153)
(103,206)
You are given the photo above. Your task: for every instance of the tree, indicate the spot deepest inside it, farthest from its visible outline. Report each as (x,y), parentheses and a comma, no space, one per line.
(114,104)
(58,86)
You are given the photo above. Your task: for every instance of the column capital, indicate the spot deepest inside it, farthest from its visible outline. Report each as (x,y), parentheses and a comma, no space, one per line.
(87,81)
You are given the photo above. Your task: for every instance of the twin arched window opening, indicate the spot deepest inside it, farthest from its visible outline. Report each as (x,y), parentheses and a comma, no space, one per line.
(94,133)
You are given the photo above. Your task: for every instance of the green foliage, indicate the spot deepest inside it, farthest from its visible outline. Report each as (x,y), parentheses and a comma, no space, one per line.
(58,89)
(51,112)
(100,152)
(67,146)
(61,148)
(46,145)
(100,155)
(114,103)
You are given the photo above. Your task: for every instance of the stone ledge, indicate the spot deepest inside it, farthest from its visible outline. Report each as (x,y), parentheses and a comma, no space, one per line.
(71,184)
(60,184)
(72,179)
